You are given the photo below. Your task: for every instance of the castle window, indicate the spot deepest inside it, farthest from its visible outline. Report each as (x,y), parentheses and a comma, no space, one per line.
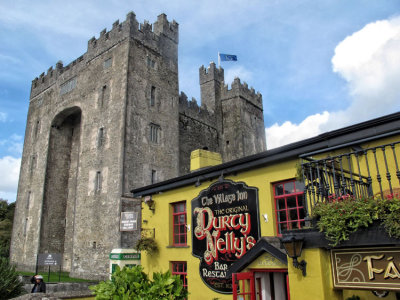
(33,164)
(36,130)
(100,137)
(179,224)
(28,200)
(154,133)
(98,182)
(153,96)
(289,205)
(68,86)
(25,226)
(180,268)
(103,95)
(153,176)
(107,63)
(150,63)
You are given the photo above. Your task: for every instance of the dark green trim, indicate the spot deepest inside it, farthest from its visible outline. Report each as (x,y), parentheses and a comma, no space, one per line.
(125,256)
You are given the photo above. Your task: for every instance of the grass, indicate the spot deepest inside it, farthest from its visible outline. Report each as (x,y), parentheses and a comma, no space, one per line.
(54,277)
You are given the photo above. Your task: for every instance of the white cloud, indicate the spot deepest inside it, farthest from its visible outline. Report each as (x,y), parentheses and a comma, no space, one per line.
(369,60)
(3,117)
(9,183)
(288,132)
(14,144)
(237,71)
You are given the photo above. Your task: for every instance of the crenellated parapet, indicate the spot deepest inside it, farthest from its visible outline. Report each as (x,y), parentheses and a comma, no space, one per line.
(211,73)
(191,109)
(242,90)
(161,37)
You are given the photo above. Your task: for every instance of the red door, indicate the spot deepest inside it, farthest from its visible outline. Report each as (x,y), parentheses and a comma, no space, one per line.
(243,286)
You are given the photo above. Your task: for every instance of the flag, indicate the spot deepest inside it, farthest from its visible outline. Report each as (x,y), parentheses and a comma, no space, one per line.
(227,57)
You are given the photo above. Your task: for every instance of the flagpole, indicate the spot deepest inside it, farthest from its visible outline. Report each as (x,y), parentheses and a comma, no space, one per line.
(219,61)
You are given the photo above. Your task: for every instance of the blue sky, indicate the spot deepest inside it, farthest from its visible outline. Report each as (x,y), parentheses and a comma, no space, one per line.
(319,64)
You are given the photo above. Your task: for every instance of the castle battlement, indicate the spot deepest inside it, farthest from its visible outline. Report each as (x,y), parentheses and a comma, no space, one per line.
(211,73)
(151,35)
(192,109)
(242,90)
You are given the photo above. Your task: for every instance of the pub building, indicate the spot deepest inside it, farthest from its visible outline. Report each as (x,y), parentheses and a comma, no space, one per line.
(245,230)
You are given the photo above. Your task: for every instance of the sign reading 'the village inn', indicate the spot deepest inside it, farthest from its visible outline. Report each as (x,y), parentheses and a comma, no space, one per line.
(225,226)
(372,269)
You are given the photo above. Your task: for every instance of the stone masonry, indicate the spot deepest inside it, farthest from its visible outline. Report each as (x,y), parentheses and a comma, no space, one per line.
(110,121)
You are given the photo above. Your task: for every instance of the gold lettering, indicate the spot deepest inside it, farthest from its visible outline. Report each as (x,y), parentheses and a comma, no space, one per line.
(372,270)
(391,267)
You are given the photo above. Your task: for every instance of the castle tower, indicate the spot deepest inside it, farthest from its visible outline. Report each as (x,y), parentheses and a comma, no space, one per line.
(110,121)
(98,127)
(242,122)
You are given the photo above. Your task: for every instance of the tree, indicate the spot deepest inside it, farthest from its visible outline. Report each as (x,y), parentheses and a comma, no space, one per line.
(6,222)
(10,284)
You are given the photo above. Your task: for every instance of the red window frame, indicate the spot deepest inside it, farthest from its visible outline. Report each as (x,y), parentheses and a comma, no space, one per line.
(289,216)
(180,268)
(179,232)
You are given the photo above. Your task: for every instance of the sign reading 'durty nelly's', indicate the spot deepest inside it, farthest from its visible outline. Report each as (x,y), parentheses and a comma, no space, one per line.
(225,226)
(372,269)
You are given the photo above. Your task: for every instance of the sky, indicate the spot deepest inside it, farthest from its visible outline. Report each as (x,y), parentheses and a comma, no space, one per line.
(319,64)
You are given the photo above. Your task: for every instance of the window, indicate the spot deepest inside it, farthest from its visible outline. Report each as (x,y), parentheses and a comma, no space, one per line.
(153,176)
(289,204)
(107,63)
(33,164)
(150,63)
(103,95)
(179,224)
(100,137)
(153,95)
(25,226)
(68,86)
(154,133)
(180,268)
(36,130)
(98,181)
(28,199)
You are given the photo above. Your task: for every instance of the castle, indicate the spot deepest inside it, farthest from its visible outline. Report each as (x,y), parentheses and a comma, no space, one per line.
(110,121)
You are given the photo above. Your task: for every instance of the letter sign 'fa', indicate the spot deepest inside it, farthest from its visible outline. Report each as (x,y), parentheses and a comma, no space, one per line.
(225,226)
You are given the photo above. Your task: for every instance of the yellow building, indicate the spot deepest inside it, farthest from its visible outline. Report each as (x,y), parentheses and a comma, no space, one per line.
(220,227)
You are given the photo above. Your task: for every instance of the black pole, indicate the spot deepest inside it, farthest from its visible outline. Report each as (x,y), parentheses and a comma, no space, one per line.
(59,274)
(48,276)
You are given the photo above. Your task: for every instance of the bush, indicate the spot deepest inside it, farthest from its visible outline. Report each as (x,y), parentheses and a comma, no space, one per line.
(133,284)
(10,284)
(339,217)
(147,244)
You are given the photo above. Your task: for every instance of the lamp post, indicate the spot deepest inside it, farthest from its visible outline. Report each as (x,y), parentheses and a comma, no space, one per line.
(293,247)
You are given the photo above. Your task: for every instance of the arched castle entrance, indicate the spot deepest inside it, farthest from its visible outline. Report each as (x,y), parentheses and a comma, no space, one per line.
(57,223)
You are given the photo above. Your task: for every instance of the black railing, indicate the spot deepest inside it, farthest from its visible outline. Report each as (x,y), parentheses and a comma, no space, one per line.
(360,173)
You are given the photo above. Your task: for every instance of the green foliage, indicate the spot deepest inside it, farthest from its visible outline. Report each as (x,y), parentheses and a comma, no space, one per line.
(10,284)
(390,216)
(6,221)
(133,284)
(147,244)
(342,216)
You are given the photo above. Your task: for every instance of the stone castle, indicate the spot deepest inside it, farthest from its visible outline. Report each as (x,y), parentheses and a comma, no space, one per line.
(110,121)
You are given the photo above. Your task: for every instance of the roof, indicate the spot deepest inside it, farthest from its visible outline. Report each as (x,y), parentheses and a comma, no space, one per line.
(385,126)
(263,245)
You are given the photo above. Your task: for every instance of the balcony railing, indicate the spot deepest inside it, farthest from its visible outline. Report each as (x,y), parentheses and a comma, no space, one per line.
(360,173)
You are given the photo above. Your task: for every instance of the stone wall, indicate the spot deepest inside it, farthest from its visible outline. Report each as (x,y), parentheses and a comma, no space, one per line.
(110,121)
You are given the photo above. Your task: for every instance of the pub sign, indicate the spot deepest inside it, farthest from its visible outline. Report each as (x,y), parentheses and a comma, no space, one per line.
(225,220)
(371,269)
